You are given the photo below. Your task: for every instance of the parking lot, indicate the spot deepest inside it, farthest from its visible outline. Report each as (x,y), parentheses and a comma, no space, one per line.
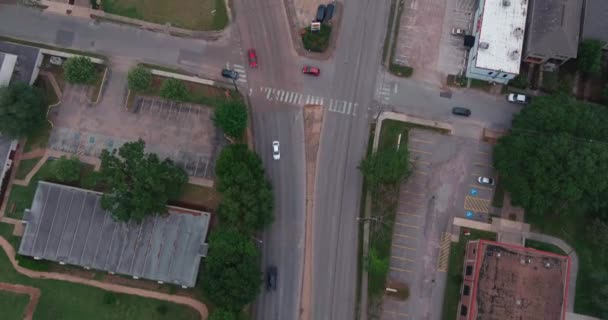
(445,170)
(182,132)
(425,41)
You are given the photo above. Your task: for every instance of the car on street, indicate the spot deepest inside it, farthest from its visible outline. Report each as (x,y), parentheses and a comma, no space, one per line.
(485,180)
(276,154)
(271,278)
(460,111)
(320,13)
(253,58)
(311,70)
(458,32)
(231,74)
(518,98)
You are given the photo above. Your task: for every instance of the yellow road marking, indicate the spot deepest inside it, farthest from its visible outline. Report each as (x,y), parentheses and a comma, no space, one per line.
(400,258)
(423,141)
(477,204)
(399,269)
(404,247)
(407,225)
(420,151)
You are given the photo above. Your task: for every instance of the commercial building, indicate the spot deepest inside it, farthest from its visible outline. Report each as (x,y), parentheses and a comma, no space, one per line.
(498,30)
(553,31)
(68,225)
(18,63)
(508,282)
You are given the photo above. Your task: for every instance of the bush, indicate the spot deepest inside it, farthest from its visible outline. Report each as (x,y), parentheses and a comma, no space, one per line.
(139,79)
(400,71)
(231,116)
(173,89)
(109,298)
(33,264)
(66,169)
(79,69)
(317,41)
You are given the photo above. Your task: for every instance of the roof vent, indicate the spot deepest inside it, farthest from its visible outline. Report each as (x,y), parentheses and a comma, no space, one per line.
(514,55)
(484,45)
(506,3)
(518,32)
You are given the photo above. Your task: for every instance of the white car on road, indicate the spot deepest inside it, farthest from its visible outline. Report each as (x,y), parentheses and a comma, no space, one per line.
(485,180)
(276,154)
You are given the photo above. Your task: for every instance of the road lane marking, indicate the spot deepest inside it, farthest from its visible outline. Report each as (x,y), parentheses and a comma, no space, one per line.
(408,214)
(420,161)
(420,151)
(402,270)
(414,193)
(397,313)
(479,164)
(444,252)
(483,152)
(480,187)
(407,225)
(403,247)
(419,140)
(421,172)
(401,258)
(404,236)
(477,204)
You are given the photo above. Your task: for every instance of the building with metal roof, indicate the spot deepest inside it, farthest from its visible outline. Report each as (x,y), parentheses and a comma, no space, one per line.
(595,21)
(67,225)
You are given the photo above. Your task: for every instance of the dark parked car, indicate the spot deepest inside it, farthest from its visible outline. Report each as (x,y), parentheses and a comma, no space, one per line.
(271,278)
(227,73)
(329,11)
(459,111)
(320,13)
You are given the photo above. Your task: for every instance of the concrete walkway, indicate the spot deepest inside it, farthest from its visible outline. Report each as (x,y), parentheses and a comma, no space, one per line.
(193,303)
(573,262)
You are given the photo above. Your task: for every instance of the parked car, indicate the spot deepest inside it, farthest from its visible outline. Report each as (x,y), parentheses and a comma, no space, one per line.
(460,111)
(320,13)
(311,70)
(271,278)
(276,154)
(231,74)
(519,98)
(485,180)
(253,58)
(329,11)
(458,32)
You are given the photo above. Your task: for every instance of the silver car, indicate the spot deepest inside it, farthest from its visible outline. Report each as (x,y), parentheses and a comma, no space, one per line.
(276,154)
(485,180)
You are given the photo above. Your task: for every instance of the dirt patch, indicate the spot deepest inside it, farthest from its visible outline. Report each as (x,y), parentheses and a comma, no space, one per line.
(34,294)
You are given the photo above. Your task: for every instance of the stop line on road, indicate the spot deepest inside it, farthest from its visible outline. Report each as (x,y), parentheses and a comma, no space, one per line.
(296,98)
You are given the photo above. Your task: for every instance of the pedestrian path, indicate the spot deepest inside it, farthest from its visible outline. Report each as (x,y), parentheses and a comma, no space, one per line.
(240,69)
(296,98)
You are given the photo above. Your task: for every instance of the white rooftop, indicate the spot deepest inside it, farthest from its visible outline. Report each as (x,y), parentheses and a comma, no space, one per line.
(7,65)
(503,24)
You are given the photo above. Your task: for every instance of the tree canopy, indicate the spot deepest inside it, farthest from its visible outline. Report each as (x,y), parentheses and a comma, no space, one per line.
(79,69)
(139,79)
(232,269)
(247,199)
(555,159)
(589,58)
(223,314)
(66,169)
(231,116)
(140,183)
(387,166)
(173,89)
(22,110)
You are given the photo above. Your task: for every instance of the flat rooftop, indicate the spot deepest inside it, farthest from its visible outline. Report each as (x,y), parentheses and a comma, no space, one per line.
(66,224)
(502,29)
(26,60)
(519,283)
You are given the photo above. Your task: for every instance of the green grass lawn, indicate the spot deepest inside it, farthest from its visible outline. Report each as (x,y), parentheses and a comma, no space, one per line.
(13,305)
(317,41)
(454,280)
(38,138)
(65,300)
(544,247)
(187,14)
(25,166)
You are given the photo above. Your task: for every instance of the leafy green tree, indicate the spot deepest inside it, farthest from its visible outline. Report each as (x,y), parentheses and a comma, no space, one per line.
(231,116)
(232,269)
(589,58)
(600,291)
(555,159)
(223,314)
(66,169)
(247,199)
(388,166)
(22,110)
(173,89)
(79,69)
(139,79)
(140,183)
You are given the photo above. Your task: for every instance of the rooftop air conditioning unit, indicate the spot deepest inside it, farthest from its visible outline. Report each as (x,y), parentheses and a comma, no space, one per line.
(484,45)
(514,55)
(518,32)
(506,3)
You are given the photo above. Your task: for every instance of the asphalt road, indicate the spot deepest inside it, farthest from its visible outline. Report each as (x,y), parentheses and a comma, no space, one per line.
(343,144)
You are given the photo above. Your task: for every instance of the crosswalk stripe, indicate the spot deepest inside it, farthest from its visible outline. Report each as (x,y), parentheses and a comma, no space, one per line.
(269,93)
(350,106)
(239,66)
(282,95)
(307,99)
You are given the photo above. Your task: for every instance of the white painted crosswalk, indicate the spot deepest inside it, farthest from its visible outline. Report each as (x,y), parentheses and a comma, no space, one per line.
(240,69)
(296,98)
